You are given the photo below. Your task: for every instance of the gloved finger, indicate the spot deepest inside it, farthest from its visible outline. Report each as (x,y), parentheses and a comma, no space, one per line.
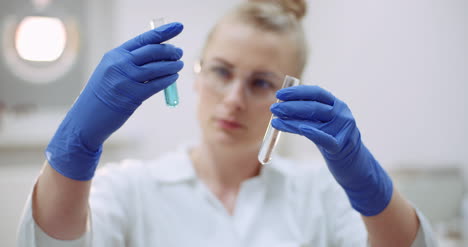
(151,71)
(306,92)
(156,52)
(286,125)
(145,90)
(306,128)
(303,110)
(292,125)
(154,36)
(320,138)
(163,82)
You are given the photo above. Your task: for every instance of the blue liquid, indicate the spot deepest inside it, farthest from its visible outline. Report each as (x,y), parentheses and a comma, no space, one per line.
(171,95)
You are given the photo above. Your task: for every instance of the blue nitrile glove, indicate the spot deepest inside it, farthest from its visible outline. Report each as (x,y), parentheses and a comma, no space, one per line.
(125,77)
(327,121)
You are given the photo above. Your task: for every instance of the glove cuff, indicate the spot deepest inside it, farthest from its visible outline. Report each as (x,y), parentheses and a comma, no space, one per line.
(368,186)
(72,159)
(377,195)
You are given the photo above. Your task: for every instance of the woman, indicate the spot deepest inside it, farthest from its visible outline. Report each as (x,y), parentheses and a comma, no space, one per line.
(216,193)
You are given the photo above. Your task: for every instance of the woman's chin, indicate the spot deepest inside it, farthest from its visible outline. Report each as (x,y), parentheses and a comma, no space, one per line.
(233,141)
(228,138)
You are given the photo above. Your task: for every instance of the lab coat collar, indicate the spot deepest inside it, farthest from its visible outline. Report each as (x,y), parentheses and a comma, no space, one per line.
(176,167)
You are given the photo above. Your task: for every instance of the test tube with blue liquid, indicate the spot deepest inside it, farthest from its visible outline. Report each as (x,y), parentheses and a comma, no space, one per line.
(170,93)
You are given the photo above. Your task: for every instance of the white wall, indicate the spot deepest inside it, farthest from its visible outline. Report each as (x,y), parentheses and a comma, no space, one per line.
(402,67)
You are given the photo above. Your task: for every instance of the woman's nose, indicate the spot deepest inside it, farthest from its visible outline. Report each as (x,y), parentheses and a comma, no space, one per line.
(236,96)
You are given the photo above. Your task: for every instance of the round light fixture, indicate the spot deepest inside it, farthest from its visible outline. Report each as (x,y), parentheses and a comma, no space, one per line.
(40,39)
(39,49)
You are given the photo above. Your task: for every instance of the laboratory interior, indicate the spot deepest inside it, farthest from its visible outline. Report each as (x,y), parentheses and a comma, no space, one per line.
(401,66)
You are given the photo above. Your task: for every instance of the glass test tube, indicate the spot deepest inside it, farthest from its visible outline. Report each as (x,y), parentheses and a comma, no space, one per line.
(272,135)
(170,93)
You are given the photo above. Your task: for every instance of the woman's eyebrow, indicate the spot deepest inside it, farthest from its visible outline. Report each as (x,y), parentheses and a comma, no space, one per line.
(224,62)
(267,74)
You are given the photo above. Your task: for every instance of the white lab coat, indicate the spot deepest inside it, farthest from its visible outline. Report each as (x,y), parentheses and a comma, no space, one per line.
(163,203)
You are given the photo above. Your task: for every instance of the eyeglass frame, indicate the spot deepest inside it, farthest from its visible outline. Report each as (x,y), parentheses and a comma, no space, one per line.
(223,88)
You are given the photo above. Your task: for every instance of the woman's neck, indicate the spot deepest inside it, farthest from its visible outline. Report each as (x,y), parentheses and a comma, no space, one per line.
(224,167)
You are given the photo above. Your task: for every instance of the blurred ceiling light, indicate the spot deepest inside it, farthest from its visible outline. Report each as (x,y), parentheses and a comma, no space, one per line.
(40,39)
(41,4)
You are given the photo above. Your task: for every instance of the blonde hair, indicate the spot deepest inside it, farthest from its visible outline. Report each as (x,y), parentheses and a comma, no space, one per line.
(277,16)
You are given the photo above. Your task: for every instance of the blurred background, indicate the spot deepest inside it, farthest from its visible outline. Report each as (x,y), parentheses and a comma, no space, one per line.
(402,67)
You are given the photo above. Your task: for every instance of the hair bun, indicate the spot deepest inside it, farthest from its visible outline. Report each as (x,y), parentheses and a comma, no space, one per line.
(297,8)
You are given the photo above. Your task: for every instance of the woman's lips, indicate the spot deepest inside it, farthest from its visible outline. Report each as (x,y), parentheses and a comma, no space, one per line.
(230,125)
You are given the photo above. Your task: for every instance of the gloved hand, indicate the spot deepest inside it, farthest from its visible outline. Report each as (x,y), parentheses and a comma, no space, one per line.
(327,121)
(125,77)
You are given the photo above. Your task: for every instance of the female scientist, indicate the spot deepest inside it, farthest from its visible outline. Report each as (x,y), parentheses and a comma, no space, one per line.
(216,193)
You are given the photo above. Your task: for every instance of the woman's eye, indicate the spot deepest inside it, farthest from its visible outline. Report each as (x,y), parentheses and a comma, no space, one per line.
(221,72)
(261,83)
